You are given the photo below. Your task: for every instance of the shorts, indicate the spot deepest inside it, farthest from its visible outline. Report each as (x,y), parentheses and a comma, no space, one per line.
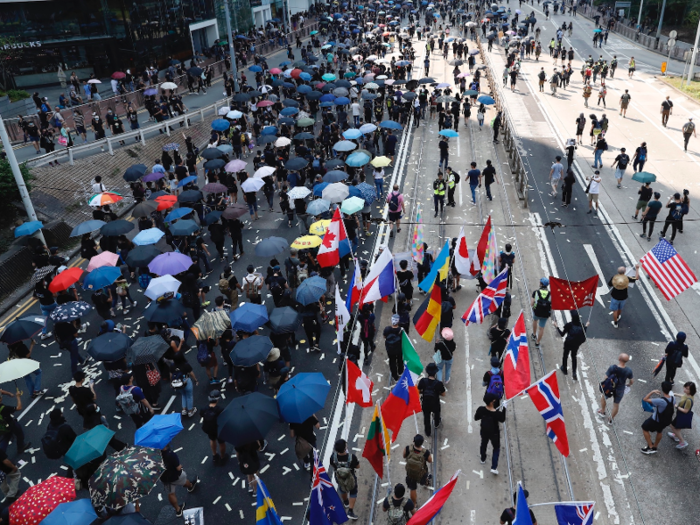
(80,130)
(619,174)
(541,321)
(592,197)
(413,485)
(394,216)
(618,395)
(34,138)
(214,437)
(623,105)
(652,426)
(212,361)
(616,304)
(366,216)
(641,205)
(179,482)
(353,492)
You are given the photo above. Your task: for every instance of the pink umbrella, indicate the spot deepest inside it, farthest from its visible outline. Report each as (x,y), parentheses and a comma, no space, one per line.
(235,166)
(462,75)
(103,259)
(275,71)
(265,103)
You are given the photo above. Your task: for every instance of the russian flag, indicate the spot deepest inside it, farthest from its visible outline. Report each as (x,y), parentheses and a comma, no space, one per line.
(434,505)
(381,279)
(354,290)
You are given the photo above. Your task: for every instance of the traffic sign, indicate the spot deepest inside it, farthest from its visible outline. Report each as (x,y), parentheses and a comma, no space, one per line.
(671,42)
(673,34)
(663,66)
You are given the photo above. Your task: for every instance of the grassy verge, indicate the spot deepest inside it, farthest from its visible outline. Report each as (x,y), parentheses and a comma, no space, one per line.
(15,94)
(692,91)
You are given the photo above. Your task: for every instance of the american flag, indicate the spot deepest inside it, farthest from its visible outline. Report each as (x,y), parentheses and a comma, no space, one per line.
(668,270)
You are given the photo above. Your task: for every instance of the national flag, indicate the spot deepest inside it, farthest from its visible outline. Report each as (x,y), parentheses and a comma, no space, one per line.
(410,356)
(417,245)
(516,363)
(329,251)
(440,267)
(668,270)
(545,396)
(377,444)
(381,279)
(575,512)
(572,295)
(427,316)
(434,505)
(359,386)
(466,263)
(402,402)
(522,511)
(354,289)
(482,246)
(487,301)
(325,506)
(265,513)
(488,264)
(342,315)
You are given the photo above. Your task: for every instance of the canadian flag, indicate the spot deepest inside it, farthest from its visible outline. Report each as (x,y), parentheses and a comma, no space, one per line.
(467,264)
(328,252)
(359,386)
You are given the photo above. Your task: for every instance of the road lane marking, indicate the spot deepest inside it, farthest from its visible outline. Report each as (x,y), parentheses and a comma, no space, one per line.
(603,288)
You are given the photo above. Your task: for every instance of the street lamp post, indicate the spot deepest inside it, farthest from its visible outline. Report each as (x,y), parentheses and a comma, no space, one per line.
(661,20)
(231,49)
(694,55)
(639,17)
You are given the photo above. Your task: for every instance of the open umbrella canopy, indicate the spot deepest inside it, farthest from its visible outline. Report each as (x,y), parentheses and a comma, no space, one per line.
(101,277)
(250,351)
(187,180)
(352,205)
(211,325)
(284,320)
(105,258)
(134,518)
(344,145)
(318,207)
(305,242)
(28,228)
(235,211)
(144,209)
(21,329)
(170,263)
(357,159)
(249,317)
(14,369)
(179,213)
(140,256)
(147,350)
(126,476)
(190,196)
(165,312)
(101,199)
(644,176)
(235,166)
(214,164)
(299,192)
(449,133)
(184,227)
(247,418)
(157,288)
(319,227)
(41,499)
(296,163)
(65,279)
(86,227)
(336,192)
(335,176)
(311,290)
(71,311)
(109,346)
(135,172)
(78,512)
(88,446)
(220,125)
(159,431)
(302,396)
(486,100)
(116,228)
(271,246)
(149,236)
(252,185)
(390,124)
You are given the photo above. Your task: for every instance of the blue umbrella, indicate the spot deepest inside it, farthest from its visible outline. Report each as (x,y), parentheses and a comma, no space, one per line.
(28,228)
(367,128)
(287,112)
(318,206)
(357,159)
(304,76)
(251,350)
(186,181)
(220,125)
(149,236)
(101,277)
(305,89)
(342,101)
(285,63)
(86,227)
(355,192)
(159,431)
(249,317)
(318,188)
(269,130)
(88,446)
(352,133)
(286,120)
(449,133)
(302,396)
(255,69)
(369,192)
(486,100)
(311,290)
(328,97)
(183,228)
(178,214)
(78,512)
(390,124)
(326,104)
(335,176)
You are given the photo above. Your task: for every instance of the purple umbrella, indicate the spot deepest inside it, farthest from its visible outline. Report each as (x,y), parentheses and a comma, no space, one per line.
(152,177)
(150,92)
(170,263)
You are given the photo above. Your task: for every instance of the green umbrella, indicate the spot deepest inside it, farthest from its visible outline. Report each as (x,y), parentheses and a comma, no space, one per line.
(644,176)
(471,93)
(303,122)
(352,205)
(88,446)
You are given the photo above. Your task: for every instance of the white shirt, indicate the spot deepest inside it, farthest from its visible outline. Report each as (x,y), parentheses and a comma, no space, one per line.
(98,187)
(379,174)
(355,109)
(595,185)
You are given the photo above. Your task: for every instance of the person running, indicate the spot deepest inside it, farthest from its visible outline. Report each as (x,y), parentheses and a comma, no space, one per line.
(593,191)
(431,389)
(490,416)
(555,174)
(684,416)
(622,160)
(625,102)
(661,417)
(674,217)
(175,476)
(397,206)
(345,464)
(417,459)
(666,110)
(674,354)
(575,336)
(617,378)
(620,283)
(210,427)
(645,192)
(688,130)
(650,214)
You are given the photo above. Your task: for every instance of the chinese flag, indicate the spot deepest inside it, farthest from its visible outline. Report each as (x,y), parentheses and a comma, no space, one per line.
(571,295)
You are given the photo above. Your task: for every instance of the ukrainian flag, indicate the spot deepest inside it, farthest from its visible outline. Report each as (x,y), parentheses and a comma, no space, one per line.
(440,266)
(265,514)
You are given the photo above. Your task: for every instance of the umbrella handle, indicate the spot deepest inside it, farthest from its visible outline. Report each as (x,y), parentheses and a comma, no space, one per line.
(19,392)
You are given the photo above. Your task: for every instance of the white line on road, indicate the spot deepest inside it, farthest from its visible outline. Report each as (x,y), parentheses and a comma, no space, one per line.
(603,288)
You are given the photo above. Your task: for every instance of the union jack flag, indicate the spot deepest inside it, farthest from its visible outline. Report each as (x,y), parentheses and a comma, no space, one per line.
(575,512)
(545,395)
(488,301)
(325,506)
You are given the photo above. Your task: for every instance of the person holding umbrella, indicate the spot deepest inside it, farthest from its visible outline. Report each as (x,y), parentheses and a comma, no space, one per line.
(19,350)
(175,476)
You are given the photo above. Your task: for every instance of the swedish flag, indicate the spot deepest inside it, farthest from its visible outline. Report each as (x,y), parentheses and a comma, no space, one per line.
(265,514)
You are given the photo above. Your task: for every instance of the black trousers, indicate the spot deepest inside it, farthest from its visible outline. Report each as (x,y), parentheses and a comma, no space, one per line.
(670,371)
(565,359)
(651,226)
(451,196)
(429,409)
(395,365)
(566,194)
(674,228)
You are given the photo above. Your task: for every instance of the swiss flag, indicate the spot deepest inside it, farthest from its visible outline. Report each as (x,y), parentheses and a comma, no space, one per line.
(328,252)
(359,386)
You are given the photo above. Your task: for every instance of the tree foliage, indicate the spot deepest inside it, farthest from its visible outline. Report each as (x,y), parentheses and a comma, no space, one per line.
(9,192)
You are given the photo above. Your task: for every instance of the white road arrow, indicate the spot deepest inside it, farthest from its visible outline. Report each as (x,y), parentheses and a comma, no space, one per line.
(603,288)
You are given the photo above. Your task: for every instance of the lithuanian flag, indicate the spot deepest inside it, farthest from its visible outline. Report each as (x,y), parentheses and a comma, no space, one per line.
(377,444)
(427,317)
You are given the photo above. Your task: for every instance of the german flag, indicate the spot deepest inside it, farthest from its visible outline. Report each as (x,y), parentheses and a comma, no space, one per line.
(376,446)
(427,317)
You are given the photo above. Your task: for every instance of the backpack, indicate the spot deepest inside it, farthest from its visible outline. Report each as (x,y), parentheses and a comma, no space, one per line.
(250,288)
(393,343)
(677,357)
(224,287)
(178,380)
(209,421)
(576,336)
(394,203)
(396,515)
(203,353)
(126,401)
(495,385)
(666,416)
(302,274)
(344,474)
(688,127)
(51,443)
(609,385)
(542,75)
(144,280)
(416,465)
(429,391)
(543,307)
(677,212)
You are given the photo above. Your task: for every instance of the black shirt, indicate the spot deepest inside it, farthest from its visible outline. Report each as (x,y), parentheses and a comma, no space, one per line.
(171,462)
(489,173)
(306,429)
(489,420)
(620,295)
(666,105)
(82,396)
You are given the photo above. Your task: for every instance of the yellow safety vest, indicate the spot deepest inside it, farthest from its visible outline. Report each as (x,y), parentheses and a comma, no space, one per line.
(451,181)
(440,191)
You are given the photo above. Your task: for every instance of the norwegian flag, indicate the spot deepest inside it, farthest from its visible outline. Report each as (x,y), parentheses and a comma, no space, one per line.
(516,363)
(488,301)
(575,512)
(545,396)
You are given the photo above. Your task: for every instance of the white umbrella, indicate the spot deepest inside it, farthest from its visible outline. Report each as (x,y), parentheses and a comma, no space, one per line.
(223,111)
(266,89)
(252,185)
(282,142)
(15,369)
(336,192)
(160,286)
(299,192)
(94,81)
(265,171)
(168,85)
(234,114)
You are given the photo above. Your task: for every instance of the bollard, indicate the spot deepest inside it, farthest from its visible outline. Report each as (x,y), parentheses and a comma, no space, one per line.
(167,130)
(109,146)
(70,156)
(143,138)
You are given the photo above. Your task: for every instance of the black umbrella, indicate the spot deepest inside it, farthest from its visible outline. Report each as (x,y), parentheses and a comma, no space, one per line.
(135,172)
(335,176)
(290,103)
(195,71)
(409,95)
(109,346)
(147,350)
(456,62)
(271,246)
(214,164)
(241,97)
(247,419)
(304,136)
(212,217)
(399,82)
(157,194)
(116,228)
(254,93)
(142,255)
(144,209)
(65,313)
(235,211)
(426,80)
(335,163)
(296,163)
(190,196)
(165,312)
(21,329)
(343,83)
(212,153)
(134,518)
(285,320)
(183,228)
(251,351)
(314,95)
(267,139)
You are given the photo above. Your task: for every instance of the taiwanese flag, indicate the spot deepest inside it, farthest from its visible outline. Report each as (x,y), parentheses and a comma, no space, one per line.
(402,402)
(427,317)
(377,444)
(572,295)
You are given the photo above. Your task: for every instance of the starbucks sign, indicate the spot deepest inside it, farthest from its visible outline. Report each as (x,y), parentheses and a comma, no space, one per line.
(22,45)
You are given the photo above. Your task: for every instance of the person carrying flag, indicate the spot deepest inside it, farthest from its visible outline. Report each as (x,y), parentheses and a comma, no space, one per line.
(431,389)
(508,515)
(541,309)
(399,508)
(575,337)
(490,416)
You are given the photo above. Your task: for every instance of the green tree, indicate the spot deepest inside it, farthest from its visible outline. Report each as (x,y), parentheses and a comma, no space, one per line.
(8,188)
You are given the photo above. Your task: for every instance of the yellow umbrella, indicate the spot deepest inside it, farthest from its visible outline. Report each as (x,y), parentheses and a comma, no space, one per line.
(319,227)
(380,162)
(306,242)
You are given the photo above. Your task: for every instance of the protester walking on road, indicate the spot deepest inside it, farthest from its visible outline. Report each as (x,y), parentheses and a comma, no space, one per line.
(345,464)
(417,459)
(446,346)
(688,130)
(508,515)
(490,417)
(9,425)
(431,390)
(541,304)
(474,176)
(661,417)
(622,160)
(651,212)
(674,217)
(392,342)
(575,336)
(453,179)
(674,354)
(601,146)
(640,157)
(567,189)
(666,110)
(684,416)
(619,284)
(175,476)
(399,509)
(489,174)
(555,174)
(617,378)
(210,427)
(625,102)
(593,191)
(397,206)
(645,192)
